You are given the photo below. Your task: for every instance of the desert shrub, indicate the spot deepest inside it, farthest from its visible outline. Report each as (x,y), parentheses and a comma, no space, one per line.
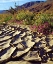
(42,18)
(30,19)
(21,15)
(7,18)
(51,19)
(45,28)
(43,23)
(0,17)
(12,10)
(27,16)
(51,23)
(33,27)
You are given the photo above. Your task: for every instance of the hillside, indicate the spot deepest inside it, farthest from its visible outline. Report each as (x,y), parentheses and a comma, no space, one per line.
(36,6)
(2,11)
(42,7)
(27,5)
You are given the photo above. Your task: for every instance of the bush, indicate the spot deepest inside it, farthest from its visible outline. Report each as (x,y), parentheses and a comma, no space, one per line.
(42,18)
(42,23)
(21,15)
(45,28)
(27,16)
(30,19)
(7,18)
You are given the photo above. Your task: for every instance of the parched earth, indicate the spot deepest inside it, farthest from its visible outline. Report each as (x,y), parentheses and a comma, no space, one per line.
(18,45)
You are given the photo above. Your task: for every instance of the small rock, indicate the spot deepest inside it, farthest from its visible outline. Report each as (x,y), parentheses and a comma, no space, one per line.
(43,42)
(22,35)
(20,47)
(43,38)
(50,36)
(37,39)
(17,32)
(42,46)
(47,50)
(12,28)
(9,27)
(0,32)
(29,43)
(29,37)
(51,42)
(0,50)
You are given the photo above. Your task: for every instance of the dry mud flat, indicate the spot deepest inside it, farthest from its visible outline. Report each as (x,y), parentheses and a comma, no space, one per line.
(18,45)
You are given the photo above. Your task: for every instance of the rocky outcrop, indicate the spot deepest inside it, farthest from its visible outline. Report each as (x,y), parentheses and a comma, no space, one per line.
(18,62)
(19,45)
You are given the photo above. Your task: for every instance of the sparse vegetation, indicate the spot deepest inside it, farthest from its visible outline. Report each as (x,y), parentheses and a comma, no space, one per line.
(41,22)
(26,16)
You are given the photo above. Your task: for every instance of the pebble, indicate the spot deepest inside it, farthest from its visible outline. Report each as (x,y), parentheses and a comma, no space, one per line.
(51,42)
(0,32)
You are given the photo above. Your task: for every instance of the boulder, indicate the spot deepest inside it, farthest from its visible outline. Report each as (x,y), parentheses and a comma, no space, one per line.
(20,53)
(5,38)
(32,56)
(29,43)
(6,54)
(17,41)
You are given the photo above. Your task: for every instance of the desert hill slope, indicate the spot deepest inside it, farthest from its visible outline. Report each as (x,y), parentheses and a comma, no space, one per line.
(42,7)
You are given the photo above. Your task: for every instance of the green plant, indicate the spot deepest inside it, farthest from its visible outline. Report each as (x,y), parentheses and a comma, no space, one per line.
(30,19)
(42,18)
(27,16)
(7,18)
(21,15)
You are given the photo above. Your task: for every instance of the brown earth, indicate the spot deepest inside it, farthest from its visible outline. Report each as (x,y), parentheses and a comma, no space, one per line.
(42,7)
